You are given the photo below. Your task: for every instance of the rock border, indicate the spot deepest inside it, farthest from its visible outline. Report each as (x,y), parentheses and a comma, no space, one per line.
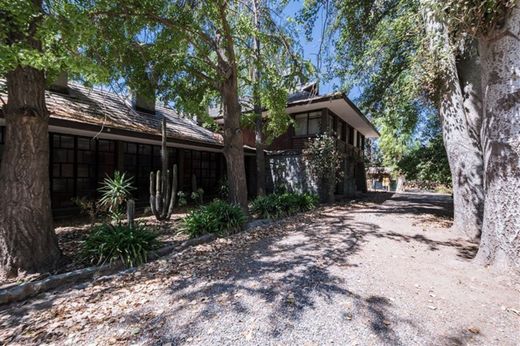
(20,292)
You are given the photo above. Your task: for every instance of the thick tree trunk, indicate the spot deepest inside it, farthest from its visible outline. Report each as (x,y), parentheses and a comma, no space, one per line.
(233,144)
(27,240)
(464,154)
(500,245)
(471,184)
(233,140)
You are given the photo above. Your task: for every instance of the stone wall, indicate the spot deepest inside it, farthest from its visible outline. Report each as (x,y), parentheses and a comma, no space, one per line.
(286,170)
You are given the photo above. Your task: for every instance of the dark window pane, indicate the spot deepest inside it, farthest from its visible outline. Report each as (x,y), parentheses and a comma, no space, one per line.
(67,142)
(67,170)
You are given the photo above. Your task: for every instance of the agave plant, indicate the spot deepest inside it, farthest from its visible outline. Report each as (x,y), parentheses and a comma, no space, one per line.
(114,193)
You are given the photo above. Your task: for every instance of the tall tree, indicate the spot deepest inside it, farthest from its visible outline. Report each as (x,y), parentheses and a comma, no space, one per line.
(382,48)
(27,238)
(34,44)
(197,52)
(276,70)
(500,55)
(460,134)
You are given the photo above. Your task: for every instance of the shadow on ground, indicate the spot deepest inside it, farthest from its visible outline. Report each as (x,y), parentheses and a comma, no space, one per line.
(287,268)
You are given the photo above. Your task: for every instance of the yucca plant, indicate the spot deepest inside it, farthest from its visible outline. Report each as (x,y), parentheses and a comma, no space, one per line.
(114,193)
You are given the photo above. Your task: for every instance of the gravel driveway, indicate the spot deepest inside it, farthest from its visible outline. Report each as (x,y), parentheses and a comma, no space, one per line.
(383,270)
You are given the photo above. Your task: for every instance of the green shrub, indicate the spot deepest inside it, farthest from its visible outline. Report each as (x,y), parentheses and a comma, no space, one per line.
(218,217)
(107,243)
(278,205)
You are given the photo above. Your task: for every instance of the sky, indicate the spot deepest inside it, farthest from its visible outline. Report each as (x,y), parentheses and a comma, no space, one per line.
(312,47)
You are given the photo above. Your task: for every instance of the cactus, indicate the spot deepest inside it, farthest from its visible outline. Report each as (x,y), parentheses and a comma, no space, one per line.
(163,184)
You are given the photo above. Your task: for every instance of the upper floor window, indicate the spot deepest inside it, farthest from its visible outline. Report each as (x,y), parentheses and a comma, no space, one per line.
(307,123)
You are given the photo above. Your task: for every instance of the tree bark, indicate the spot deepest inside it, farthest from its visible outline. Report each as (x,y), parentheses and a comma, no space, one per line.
(470,186)
(500,52)
(27,239)
(233,144)
(463,151)
(233,140)
(259,123)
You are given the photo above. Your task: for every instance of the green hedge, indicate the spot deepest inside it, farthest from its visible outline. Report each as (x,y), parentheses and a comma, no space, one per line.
(218,217)
(107,243)
(285,204)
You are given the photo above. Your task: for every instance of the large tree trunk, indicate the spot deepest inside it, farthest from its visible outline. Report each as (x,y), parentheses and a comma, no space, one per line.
(233,144)
(464,154)
(27,240)
(471,185)
(259,123)
(233,140)
(500,245)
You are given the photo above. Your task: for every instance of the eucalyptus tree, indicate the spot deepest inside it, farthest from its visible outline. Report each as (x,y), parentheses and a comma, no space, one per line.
(382,47)
(460,57)
(38,39)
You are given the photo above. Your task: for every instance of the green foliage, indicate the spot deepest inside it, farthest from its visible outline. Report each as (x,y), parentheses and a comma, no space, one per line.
(323,157)
(114,193)
(473,17)
(427,160)
(218,217)
(108,243)
(379,50)
(62,29)
(275,205)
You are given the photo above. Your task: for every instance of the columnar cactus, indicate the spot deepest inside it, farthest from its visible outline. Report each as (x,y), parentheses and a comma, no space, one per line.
(163,184)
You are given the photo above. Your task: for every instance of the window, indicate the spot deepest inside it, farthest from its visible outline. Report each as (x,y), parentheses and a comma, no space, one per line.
(86,167)
(341,130)
(62,170)
(314,122)
(300,124)
(307,124)
(350,135)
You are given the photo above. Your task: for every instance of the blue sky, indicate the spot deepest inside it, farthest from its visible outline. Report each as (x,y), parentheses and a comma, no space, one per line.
(312,47)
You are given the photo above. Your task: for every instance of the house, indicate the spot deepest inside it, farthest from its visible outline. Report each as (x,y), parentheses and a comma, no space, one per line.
(94,132)
(314,114)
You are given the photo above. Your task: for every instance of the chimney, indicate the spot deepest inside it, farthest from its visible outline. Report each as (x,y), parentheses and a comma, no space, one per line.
(143,103)
(61,84)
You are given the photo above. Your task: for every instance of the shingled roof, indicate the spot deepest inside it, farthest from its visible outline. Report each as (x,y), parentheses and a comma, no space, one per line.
(110,110)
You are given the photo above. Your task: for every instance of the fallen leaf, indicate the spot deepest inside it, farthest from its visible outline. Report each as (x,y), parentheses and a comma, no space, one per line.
(474,330)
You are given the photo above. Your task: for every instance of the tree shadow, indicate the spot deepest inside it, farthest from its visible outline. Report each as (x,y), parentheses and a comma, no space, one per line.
(289,270)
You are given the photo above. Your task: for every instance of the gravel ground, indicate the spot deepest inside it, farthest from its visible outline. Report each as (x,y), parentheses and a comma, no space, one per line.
(374,272)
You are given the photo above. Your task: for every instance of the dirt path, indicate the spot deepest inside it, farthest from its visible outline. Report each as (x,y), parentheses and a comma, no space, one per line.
(380,271)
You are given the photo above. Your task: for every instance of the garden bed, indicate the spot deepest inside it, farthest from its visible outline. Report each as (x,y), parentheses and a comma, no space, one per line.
(70,238)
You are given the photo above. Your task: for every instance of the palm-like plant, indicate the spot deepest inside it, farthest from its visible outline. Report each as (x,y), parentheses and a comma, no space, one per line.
(114,192)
